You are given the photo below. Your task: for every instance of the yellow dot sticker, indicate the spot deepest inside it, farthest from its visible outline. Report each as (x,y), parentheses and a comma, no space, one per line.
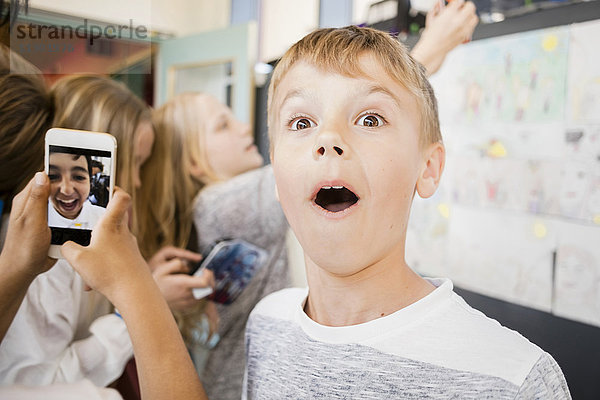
(444,210)
(496,150)
(550,43)
(539,230)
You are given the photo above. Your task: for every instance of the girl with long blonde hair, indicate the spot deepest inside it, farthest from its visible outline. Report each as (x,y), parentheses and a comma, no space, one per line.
(217,191)
(204,144)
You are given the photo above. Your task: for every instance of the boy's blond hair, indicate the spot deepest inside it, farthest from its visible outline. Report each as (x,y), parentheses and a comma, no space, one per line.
(338,50)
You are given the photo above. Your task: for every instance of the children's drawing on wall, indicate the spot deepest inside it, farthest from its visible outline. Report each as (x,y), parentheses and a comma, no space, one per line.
(464,180)
(591,208)
(535,141)
(538,193)
(575,184)
(577,281)
(502,255)
(427,235)
(584,73)
(520,116)
(515,78)
(583,142)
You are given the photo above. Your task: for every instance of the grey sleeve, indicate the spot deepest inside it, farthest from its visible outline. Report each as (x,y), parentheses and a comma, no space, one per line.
(545,381)
(243,207)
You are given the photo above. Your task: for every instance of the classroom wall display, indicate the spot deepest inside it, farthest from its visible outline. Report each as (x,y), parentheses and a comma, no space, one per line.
(517,216)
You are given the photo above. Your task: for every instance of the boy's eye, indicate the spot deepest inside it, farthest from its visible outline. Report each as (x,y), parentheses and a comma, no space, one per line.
(80,178)
(301,123)
(370,120)
(53,177)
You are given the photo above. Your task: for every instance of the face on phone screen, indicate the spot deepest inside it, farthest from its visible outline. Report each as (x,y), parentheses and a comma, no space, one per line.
(79,191)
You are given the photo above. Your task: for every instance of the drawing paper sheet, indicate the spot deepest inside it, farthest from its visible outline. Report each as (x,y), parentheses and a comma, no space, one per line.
(577,281)
(584,73)
(513,78)
(502,254)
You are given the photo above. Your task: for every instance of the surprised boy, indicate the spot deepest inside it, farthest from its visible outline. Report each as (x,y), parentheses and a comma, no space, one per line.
(354,135)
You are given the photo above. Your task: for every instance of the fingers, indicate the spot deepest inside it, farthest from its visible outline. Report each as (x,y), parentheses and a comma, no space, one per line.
(435,10)
(205,279)
(187,255)
(18,203)
(116,211)
(174,266)
(471,19)
(35,192)
(71,251)
(469,7)
(37,200)
(169,252)
(455,4)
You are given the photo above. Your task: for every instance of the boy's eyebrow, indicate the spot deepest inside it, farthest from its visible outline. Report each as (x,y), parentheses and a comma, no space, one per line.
(302,93)
(79,169)
(373,89)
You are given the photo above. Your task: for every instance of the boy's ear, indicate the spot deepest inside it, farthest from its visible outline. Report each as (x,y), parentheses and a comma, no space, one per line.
(434,158)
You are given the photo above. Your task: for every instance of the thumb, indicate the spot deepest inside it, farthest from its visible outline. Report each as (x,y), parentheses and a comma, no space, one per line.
(36,203)
(205,279)
(71,252)
(116,211)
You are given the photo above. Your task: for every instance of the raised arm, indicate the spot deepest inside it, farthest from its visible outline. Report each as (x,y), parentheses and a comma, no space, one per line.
(445,28)
(113,265)
(25,252)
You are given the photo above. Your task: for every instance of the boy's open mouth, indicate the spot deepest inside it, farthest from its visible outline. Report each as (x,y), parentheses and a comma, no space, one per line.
(68,205)
(335,198)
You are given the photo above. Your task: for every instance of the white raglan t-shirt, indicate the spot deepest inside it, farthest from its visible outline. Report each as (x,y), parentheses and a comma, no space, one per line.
(437,348)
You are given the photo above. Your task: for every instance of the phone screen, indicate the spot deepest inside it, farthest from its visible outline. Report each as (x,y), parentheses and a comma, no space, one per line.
(234,264)
(79,191)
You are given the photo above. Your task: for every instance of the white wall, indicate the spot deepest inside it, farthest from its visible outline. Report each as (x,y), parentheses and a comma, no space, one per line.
(178,17)
(284,22)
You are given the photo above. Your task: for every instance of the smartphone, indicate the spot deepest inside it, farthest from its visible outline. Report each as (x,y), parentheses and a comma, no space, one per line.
(234,264)
(81,167)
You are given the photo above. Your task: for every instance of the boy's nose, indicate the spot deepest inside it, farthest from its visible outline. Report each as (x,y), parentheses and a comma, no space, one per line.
(329,144)
(337,149)
(66,187)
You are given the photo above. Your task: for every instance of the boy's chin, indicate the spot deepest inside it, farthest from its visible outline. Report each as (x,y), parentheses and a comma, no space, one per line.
(336,262)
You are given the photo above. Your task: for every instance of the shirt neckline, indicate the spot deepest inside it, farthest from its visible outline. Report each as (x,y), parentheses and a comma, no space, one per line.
(379,326)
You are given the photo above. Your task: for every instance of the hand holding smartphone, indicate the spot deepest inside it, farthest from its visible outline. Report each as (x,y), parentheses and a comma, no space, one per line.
(234,264)
(81,167)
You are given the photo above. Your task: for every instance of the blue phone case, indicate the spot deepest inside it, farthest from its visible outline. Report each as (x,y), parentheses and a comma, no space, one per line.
(234,264)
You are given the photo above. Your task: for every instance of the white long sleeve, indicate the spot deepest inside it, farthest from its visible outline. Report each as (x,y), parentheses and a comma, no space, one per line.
(59,391)
(57,336)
